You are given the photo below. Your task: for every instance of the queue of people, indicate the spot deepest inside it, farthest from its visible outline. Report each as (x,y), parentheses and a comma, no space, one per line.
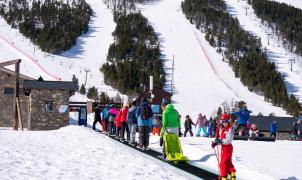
(132,118)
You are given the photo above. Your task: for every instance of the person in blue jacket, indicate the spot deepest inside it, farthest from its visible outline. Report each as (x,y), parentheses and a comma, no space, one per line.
(105,118)
(144,116)
(273,129)
(244,115)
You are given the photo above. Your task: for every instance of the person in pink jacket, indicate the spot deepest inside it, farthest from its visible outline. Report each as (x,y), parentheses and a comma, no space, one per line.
(112,115)
(199,124)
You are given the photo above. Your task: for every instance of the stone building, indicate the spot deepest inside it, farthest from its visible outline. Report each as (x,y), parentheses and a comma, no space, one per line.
(43,104)
(7,88)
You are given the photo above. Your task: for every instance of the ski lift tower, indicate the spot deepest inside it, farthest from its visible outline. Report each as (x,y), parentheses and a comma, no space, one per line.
(246,8)
(291,60)
(268,36)
(87,70)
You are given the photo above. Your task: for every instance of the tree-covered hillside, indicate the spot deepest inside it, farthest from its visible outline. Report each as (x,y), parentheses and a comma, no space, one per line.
(284,19)
(134,56)
(52,25)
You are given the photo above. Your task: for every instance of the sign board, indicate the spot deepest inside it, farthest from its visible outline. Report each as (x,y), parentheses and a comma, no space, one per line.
(155,108)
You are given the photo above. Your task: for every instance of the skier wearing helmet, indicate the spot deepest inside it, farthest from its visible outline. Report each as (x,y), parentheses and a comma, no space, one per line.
(224,138)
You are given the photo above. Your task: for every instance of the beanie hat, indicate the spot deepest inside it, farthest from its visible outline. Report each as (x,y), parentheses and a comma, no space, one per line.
(164,102)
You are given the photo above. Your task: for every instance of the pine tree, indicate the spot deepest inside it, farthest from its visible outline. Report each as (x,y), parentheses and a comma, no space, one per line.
(219,112)
(117,98)
(75,79)
(82,90)
(92,93)
(103,98)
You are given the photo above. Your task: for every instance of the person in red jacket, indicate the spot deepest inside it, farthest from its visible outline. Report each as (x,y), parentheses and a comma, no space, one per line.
(225,137)
(121,122)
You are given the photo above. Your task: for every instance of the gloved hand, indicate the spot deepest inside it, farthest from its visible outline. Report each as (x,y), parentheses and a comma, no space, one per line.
(216,142)
(161,142)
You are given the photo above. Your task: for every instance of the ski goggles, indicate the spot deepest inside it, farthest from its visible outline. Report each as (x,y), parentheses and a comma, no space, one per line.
(225,121)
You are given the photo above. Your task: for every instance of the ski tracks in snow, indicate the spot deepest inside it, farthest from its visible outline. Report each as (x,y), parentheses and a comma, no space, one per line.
(213,67)
(29,57)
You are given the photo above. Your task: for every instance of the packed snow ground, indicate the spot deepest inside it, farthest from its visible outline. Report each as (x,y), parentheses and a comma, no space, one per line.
(72,152)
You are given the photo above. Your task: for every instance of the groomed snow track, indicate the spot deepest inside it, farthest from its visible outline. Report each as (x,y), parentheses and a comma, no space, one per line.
(187,170)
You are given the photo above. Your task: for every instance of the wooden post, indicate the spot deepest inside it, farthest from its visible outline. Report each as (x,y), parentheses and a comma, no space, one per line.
(17,111)
(19,114)
(29,113)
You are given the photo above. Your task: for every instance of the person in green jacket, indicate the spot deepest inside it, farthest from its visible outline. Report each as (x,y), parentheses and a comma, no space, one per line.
(170,121)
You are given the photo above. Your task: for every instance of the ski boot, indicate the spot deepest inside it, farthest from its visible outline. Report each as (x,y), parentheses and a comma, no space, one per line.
(233,176)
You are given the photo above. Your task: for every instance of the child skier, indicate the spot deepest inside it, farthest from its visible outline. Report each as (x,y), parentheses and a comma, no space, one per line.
(200,124)
(225,137)
(156,125)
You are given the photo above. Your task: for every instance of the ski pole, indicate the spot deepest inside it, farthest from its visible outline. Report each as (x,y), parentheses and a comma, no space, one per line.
(217,157)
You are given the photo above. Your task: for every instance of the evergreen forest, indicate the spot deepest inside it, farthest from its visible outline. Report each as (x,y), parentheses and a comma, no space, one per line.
(285,20)
(134,56)
(52,25)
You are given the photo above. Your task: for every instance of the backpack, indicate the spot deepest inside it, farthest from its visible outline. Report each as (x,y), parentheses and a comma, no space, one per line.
(131,118)
(144,114)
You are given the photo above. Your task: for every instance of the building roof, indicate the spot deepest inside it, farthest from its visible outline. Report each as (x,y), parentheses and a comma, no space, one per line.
(159,94)
(61,85)
(263,122)
(8,71)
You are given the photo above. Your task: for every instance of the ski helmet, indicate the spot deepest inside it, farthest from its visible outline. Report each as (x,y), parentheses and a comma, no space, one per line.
(225,117)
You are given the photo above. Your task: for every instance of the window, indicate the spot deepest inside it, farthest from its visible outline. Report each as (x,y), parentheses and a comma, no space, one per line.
(9,90)
(48,105)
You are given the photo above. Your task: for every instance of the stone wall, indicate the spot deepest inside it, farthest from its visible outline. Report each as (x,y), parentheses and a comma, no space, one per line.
(7,102)
(280,135)
(48,120)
